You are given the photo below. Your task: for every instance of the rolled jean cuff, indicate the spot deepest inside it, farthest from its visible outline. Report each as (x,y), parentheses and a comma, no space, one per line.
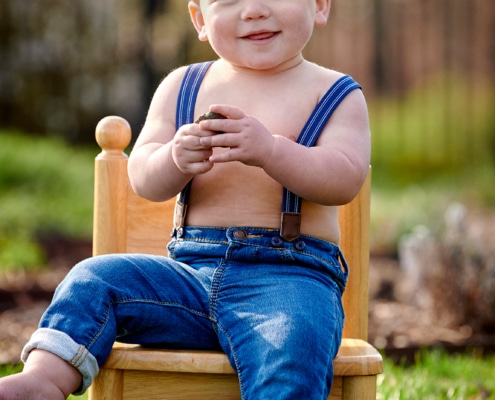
(63,346)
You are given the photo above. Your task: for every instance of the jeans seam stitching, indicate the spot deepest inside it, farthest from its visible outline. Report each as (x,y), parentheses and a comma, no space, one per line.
(215,288)
(234,356)
(136,300)
(162,303)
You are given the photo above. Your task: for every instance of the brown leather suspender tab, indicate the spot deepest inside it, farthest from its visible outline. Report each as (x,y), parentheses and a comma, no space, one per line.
(290,226)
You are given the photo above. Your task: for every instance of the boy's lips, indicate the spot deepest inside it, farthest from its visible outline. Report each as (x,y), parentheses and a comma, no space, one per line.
(261,35)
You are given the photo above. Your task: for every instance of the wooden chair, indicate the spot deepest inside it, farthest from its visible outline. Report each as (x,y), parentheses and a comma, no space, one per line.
(124,222)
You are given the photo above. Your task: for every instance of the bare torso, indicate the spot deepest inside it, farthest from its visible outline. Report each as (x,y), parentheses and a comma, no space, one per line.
(235,191)
(253,200)
(234,194)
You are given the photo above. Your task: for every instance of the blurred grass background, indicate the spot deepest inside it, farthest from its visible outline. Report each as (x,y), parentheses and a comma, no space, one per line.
(46,188)
(427,152)
(427,71)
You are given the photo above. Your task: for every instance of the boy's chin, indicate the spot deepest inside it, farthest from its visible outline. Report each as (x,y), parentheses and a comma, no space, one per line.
(267,65)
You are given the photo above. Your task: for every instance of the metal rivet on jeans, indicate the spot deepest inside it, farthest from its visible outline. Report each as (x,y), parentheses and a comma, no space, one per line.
(277,241)
(300,245)
(180,232)
(239,234)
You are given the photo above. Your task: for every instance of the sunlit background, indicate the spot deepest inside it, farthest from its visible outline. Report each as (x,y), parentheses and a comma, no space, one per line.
(426,67)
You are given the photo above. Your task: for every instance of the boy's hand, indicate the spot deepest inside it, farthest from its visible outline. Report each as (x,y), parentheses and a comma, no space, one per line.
(247,140)
(190,156)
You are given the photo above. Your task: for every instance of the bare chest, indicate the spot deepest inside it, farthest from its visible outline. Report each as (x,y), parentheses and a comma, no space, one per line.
(281,111)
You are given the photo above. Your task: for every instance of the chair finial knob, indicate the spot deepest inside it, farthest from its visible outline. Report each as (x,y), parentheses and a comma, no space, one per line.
(113,134)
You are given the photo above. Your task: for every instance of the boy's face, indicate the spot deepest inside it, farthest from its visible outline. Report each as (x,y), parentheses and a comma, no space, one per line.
(258,34)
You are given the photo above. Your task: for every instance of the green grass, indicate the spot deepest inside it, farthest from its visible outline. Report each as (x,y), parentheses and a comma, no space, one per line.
(438,376)
(434,376)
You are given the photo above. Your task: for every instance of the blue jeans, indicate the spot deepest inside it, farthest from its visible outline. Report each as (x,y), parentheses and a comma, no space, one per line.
(274,307)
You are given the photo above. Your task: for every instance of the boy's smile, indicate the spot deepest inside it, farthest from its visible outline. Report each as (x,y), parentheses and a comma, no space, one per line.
(255,34)
(260,37)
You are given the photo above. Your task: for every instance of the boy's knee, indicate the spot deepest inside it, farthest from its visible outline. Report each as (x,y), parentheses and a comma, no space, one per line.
(98,266)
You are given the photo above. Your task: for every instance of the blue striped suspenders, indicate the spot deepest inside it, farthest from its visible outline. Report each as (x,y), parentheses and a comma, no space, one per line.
(186,101)
(291,204)
(290,224)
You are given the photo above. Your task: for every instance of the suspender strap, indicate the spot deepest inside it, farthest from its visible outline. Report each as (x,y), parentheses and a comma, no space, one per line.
(186,102)
(188,93)
(291,205)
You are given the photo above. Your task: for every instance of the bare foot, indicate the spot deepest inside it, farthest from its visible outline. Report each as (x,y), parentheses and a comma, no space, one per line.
(28,386)
(45,377)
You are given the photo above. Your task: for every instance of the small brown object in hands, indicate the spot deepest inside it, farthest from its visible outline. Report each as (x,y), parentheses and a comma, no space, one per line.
(210,115)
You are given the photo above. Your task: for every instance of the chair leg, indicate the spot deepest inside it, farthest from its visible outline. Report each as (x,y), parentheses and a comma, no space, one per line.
(108,384)
(359,387)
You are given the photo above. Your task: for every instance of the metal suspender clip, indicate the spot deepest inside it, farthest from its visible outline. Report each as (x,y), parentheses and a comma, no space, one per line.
(179,219)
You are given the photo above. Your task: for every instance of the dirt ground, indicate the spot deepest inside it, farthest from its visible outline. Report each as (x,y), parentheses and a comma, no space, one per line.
(25,296)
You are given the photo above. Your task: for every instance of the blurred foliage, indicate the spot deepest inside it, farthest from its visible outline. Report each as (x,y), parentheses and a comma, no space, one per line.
(440,127)
(398,207)
(428,151)
(46,188)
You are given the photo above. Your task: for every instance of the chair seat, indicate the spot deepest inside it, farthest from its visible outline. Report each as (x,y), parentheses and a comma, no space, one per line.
(134,372)
(355,357)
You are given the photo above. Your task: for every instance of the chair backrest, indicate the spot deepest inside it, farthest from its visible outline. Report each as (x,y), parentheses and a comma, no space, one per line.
(127,223)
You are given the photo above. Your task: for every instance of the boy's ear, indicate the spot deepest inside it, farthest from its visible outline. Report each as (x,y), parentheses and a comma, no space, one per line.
(322,12)
(198,20)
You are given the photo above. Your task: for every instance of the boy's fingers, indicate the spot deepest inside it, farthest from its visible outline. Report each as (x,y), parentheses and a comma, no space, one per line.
(217,141)
(227,111)
(222,157)
(200,131)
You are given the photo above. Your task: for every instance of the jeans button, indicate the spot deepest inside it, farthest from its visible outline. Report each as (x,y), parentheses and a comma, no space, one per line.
(239,234)
(180,232)
(277,241)
(300,245)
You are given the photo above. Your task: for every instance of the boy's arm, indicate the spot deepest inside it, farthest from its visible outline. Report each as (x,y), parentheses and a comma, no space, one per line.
(333,171)
(330,173)
(163,161)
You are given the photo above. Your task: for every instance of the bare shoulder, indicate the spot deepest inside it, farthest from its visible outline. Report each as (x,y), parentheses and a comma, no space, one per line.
(159,126)
(323,72)
(322,78)
(348,129)
(167,92)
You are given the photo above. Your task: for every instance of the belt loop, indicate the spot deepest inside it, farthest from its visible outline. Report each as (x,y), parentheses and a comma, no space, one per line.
(343,262)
